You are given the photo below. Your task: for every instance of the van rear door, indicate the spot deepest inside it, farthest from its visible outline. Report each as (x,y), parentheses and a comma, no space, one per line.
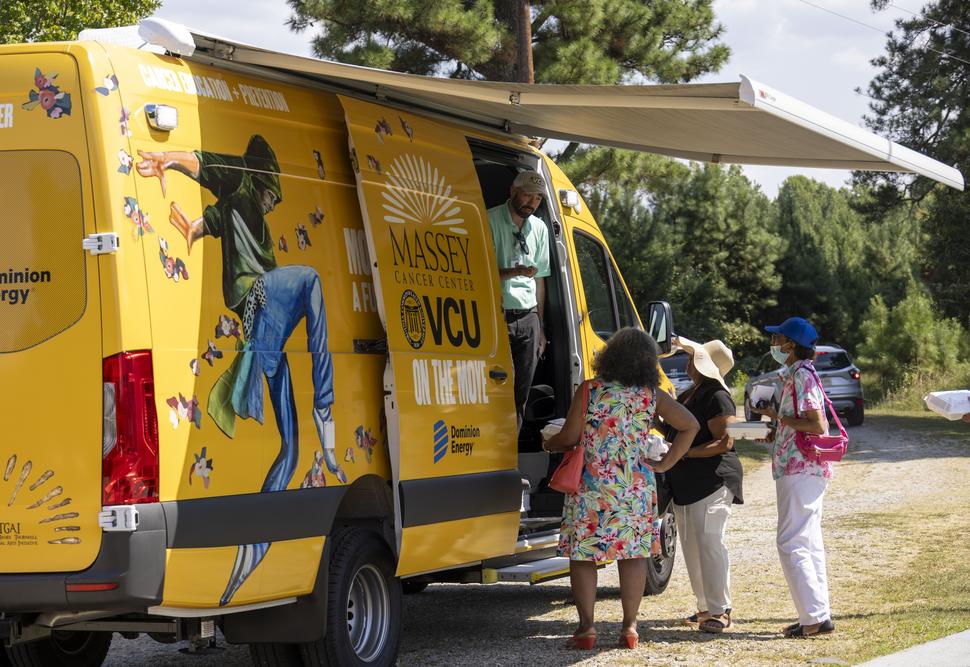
(451,417)
(50,322)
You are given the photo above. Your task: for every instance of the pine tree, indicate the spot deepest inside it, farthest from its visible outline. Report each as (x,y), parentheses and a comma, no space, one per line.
(920,100)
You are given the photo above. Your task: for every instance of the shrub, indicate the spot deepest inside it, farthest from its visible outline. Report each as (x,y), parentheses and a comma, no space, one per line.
(908,342)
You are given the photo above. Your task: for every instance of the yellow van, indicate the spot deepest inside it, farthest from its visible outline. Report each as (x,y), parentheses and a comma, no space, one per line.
(255,369)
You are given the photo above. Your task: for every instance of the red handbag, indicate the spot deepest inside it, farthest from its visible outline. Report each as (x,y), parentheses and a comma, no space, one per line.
(816,447)
(565,478)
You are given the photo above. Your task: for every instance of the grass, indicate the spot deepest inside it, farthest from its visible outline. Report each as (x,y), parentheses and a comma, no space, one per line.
(909,395)
(922,421)
(907,601)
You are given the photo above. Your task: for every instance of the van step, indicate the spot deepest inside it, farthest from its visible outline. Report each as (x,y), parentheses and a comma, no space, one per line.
(532,543)
(531,573)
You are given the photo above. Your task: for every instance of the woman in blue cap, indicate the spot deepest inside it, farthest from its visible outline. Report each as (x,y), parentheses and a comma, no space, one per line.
(799,482)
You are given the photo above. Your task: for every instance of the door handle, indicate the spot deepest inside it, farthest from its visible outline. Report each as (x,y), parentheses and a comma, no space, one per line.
(498,374)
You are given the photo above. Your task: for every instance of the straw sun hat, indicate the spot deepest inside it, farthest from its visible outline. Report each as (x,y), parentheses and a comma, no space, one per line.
(712,359)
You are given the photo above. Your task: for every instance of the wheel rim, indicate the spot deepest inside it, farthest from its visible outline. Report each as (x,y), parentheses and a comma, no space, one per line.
(368,613)
(668,543)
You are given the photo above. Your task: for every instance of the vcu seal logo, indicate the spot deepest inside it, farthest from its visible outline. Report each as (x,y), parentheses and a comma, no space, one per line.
(412,319)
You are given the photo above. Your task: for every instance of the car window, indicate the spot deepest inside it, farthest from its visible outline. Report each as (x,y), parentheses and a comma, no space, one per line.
(767,364)
(594,271)
(832,361)
(675,365)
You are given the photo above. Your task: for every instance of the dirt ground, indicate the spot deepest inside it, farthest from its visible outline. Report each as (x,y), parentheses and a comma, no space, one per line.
(895,503)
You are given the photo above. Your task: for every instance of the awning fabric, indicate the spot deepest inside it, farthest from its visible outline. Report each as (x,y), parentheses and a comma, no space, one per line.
(745,122)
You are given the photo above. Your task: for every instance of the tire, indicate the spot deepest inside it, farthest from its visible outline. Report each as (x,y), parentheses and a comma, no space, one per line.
(364,605)
(748,415)
(857,416)
(413,587)
(276,655)
(660,568)
(67,649)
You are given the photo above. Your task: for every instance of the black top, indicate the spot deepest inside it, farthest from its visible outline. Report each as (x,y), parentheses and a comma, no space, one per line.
(695,479)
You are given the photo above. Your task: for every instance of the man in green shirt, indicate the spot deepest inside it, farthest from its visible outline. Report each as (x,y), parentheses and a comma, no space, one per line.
(522,250)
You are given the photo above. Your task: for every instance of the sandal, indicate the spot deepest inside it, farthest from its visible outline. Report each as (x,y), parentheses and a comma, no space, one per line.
(798,630)
(694,618)
(629,639)
(583,642)
(716,624)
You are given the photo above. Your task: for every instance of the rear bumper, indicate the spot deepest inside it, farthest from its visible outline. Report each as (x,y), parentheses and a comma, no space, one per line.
(134,561)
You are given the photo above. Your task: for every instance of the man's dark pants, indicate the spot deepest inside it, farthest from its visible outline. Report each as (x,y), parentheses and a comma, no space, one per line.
(524,339)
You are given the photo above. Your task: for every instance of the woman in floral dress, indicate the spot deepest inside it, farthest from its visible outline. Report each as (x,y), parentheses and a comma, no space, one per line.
(612,517)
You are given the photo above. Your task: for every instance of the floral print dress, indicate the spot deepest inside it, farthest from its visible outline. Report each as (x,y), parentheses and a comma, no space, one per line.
(613,515)
(786,458)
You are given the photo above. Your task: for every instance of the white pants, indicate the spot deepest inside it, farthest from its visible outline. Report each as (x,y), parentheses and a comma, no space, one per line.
(800,545)
(701,528)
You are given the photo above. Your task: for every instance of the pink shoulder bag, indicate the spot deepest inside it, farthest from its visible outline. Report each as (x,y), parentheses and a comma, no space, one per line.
(816,447)
(566,477)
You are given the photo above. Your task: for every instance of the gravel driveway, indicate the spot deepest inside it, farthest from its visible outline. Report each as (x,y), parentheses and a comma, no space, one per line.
(510,624)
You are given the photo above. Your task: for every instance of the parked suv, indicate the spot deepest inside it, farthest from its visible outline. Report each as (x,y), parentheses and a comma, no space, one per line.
(840,378)
(675,367)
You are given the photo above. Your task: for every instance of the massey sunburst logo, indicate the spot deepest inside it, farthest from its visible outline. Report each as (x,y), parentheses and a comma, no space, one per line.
(418,193)
(39,494)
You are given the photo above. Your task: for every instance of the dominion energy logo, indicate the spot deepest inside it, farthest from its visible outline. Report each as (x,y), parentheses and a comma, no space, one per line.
(412,319)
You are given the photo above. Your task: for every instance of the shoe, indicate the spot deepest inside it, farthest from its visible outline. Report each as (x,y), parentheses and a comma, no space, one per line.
(629,639)
(693,618)
(716,624)
(797,630)
(583,642)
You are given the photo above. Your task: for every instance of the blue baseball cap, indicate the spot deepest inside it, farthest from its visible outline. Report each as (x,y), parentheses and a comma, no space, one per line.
(798,329)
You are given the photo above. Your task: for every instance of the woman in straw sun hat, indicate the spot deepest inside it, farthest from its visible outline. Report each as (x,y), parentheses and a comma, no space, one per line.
(706,482)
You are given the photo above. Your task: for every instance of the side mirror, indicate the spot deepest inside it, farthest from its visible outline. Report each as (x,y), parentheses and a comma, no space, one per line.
(661,325)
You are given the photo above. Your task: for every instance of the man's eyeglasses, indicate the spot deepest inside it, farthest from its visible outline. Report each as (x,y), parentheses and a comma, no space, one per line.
(520,239)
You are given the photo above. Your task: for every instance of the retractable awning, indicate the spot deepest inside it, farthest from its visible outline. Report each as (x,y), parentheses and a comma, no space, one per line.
(745,122)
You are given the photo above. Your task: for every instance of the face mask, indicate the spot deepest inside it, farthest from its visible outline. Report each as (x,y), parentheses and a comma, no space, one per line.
(778,355)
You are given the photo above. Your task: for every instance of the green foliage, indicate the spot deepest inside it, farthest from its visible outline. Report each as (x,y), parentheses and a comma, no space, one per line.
(920,100)
(574,41)
(908,343)
(50,21)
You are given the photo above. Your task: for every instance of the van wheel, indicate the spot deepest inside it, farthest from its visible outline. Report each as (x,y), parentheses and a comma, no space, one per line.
(659,568)
(70,649)
(275,655)
(364,605)
(857,416)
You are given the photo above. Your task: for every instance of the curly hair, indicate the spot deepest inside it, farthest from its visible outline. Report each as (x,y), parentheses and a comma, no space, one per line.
(629,358)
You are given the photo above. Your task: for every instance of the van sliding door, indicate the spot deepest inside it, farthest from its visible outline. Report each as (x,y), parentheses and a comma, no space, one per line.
(449,400)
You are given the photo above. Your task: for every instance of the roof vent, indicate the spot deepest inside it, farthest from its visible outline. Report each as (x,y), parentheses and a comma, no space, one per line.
(173,37)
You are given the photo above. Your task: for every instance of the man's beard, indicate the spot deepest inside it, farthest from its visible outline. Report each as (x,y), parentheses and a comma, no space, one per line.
(522,211)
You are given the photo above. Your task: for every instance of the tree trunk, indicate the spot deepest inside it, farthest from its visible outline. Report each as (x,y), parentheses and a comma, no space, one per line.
(524,41)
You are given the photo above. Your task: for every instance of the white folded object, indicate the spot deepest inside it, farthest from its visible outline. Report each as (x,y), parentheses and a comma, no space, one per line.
(762,392)
(748,430)
(951,404)
(656,447)
(552,428)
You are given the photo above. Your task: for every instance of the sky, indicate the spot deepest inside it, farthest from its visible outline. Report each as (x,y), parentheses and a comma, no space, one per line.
(790,45)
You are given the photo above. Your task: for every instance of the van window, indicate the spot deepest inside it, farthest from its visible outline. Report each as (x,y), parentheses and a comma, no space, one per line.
(625,309)
(597,285)
(43,289)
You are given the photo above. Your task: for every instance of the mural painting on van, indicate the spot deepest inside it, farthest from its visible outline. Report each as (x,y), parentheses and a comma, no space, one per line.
(270,301)
(43,496)
(55,102)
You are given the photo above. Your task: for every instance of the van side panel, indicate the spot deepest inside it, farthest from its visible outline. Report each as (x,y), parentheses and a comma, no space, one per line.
(50,319)
(236,393)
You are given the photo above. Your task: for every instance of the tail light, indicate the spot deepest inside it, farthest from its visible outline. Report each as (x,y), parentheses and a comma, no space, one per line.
(129,467)
(855,374)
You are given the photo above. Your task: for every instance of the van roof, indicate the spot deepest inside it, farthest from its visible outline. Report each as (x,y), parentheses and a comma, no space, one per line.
(743,122)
